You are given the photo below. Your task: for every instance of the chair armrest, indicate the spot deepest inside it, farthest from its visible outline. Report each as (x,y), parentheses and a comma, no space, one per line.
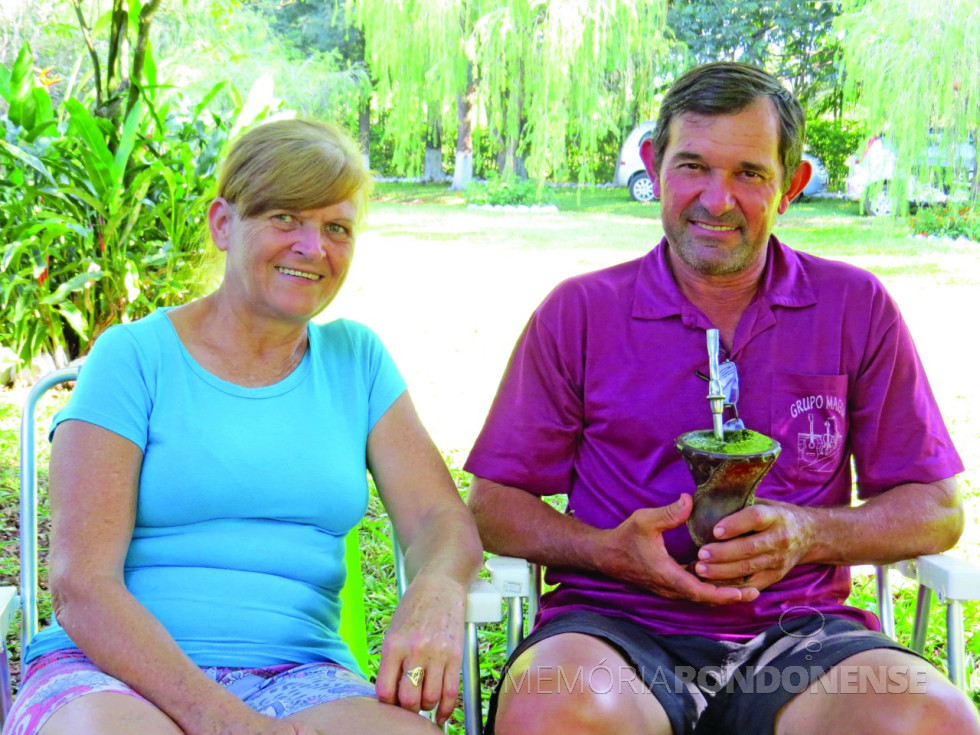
(8,603)
(511,576)
(950,578)
(483,603)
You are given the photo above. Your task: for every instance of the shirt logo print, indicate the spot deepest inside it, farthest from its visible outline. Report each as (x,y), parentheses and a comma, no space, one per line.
(820,443)
(818,452)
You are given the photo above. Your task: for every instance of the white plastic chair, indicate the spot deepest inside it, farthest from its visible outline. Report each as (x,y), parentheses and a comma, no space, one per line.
(953,581)
(483,605)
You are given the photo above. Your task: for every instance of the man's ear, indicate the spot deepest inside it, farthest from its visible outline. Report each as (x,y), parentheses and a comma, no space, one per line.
(648,155)
(801,177)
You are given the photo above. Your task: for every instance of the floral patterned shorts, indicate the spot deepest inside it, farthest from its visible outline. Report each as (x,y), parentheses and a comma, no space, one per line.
(57,678)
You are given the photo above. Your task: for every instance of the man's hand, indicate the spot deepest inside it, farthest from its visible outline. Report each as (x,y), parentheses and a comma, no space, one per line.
(426,632)
(779,537)
(639,556)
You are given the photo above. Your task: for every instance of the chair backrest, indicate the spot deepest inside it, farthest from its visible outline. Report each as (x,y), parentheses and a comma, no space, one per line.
(28,501)
(352,616)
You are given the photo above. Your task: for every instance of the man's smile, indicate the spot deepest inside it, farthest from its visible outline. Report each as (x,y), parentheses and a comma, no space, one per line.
(715,228)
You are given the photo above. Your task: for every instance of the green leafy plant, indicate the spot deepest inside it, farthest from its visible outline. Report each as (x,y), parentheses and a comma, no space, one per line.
(497,190)
(103,223)
(833,142)
(947,220)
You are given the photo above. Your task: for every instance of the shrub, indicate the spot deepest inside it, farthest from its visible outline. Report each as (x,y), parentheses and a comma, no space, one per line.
(496,190)
(947,220)
(103,220)
(832,141)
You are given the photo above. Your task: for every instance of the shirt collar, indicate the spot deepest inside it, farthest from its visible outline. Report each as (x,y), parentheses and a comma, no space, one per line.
(657,295)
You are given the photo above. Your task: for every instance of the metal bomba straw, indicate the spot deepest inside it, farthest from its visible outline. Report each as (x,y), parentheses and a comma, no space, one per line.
(716,398)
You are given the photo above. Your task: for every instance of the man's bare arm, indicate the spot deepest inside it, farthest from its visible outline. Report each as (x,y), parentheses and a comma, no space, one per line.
(907,521)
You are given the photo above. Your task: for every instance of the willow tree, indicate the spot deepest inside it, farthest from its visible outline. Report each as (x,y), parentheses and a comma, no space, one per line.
(911,67)
(415,50)
(792,39)
(558,75)
(547,76)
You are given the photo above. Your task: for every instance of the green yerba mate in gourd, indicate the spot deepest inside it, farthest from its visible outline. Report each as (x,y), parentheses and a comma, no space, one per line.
(742,441)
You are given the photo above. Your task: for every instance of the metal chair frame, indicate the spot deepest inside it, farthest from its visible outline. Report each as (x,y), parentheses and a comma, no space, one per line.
(952,581)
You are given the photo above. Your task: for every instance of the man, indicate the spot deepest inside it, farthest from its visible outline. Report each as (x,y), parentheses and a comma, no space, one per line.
(641,635)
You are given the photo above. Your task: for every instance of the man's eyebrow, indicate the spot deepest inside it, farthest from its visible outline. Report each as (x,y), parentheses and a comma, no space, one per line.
(683,155)
(757,167)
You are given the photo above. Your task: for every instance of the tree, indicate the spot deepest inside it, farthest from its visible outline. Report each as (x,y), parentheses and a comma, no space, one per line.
(565,72)
(128,60)
(322,34)
(791,39)
(545,75)
(911,67)
(415,50)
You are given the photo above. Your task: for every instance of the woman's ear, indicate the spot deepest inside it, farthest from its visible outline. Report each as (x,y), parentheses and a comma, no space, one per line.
(221,216)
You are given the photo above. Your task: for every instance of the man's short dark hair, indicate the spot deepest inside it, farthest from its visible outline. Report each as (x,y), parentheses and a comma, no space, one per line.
(727,88)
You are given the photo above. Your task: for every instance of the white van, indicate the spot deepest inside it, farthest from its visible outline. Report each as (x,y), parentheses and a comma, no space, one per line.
(868,175)
(632,174)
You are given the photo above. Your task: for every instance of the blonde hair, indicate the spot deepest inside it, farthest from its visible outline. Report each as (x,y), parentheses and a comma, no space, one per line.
(294,165)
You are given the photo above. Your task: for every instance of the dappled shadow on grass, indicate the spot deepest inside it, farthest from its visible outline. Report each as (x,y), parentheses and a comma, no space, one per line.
(412,193)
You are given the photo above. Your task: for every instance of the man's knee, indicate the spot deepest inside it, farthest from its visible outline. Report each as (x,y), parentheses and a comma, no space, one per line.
(938,708)
(894,691)
(546,689)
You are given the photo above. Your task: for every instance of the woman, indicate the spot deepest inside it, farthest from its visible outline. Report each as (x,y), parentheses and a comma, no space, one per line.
(206,470)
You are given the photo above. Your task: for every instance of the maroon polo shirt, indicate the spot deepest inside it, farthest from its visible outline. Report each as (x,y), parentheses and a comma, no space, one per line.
(603,379)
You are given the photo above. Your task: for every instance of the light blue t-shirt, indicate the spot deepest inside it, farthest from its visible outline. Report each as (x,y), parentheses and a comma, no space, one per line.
(246,494)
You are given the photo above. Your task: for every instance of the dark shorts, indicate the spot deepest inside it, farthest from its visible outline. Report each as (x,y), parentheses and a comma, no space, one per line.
(707,686)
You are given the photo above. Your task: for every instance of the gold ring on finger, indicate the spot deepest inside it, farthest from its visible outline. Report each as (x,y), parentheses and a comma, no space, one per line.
(415,675)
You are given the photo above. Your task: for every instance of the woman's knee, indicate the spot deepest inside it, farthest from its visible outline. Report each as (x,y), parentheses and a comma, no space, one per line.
(108,713)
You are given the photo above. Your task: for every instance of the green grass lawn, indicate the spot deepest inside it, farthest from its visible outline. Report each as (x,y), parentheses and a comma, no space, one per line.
(449,289)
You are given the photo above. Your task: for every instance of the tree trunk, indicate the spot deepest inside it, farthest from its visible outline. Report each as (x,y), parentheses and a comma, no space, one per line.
(364,130)
(465,112)
(433,166)
(433,157)
(509,163)
(139,55)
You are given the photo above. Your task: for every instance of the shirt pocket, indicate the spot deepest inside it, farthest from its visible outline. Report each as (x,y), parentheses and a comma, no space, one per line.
(809,419)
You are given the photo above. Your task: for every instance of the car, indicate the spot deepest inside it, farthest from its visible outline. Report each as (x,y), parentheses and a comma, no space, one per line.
(818,178)
(869,174)
(632,174)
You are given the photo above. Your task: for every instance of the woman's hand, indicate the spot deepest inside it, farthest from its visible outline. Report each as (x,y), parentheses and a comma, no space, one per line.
(426,632)
(442,554)
(231,719)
